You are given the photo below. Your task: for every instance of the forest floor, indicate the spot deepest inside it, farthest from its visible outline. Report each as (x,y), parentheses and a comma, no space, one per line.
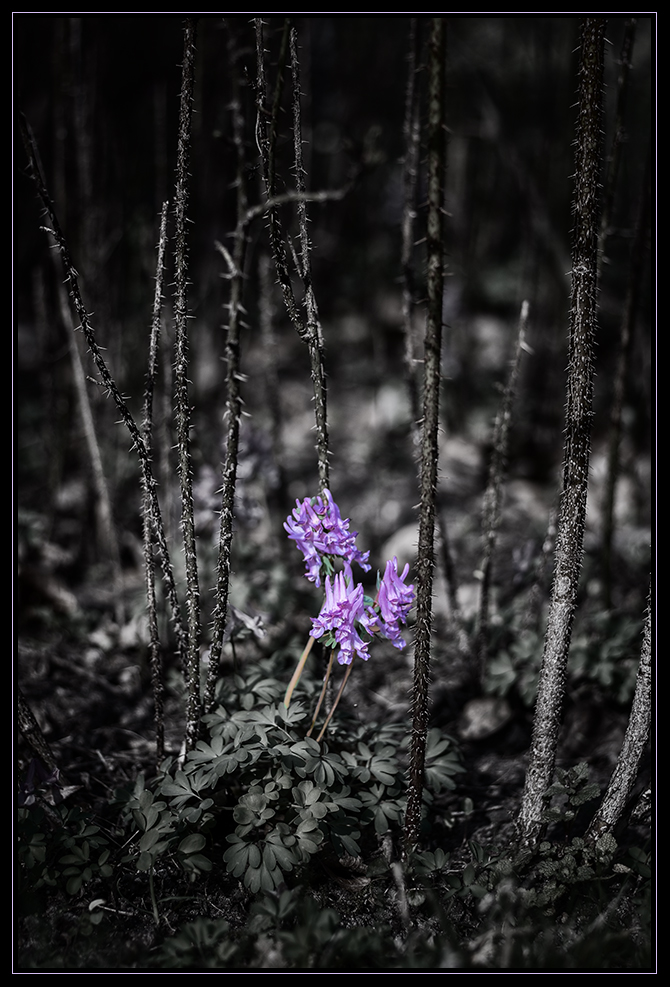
(82,668)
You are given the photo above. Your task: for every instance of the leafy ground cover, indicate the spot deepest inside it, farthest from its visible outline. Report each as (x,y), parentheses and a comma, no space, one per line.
(271,843)
(263,849)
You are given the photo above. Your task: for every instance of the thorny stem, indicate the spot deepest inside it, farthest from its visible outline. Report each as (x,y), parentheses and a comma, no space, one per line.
(637,733)
(234,398)
(183,415)
(266,147)
(147,424)
(314,331)
(572,511)
(309,330)
(433,345)
(72,282)
(266,316)
(412,144)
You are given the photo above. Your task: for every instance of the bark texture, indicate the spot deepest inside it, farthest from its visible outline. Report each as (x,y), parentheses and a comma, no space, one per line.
(183,413)
(634,741)
(429,447)
(572,511)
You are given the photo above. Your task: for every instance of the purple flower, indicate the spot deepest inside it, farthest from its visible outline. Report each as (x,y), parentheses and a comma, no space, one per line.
(319,530)
(394,601)
(344,606)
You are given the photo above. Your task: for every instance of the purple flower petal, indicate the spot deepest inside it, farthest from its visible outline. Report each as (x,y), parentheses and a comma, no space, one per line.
(318,529)
(395,600)
(342,608)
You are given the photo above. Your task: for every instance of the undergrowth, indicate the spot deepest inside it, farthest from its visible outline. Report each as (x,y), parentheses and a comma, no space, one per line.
(262,848)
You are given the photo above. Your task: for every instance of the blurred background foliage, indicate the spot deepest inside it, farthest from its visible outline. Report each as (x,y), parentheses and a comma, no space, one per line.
(101,95)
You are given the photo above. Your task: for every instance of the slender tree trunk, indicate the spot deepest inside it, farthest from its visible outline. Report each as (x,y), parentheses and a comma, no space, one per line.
(429,448)
(412,144)
(572,512)
(314,329)
(147,434)
(637,734)
(233,395)
(192,669)
(108,382)
(308,329)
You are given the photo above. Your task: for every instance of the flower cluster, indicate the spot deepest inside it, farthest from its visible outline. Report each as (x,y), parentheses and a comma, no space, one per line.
(394,601)
(319,531)
(343,609)
(322,535)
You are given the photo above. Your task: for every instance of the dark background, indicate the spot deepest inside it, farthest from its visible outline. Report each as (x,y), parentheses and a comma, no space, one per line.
(101,94)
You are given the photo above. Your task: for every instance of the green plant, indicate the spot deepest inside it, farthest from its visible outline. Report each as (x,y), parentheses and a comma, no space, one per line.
(61,849)
(255,801)
(516,667)
(277,795)
(164,828)
(469,880)
(569,792)
(201,944)
(606,650)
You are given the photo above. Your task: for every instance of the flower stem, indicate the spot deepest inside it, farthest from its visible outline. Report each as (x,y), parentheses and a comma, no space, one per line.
(328,718)
(154,903)
(298,672)
(323,692)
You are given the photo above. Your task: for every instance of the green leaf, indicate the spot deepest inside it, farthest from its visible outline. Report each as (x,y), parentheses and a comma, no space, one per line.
(384,771)
(585,794)
(268,882)
(74,884)
(150,816)
(242,815)
(197,861)
(284,857)
(349,844)
(145,800)
(192,843)
(468,875)
(71,858)
(149,839)
(252,879)
(144,861)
